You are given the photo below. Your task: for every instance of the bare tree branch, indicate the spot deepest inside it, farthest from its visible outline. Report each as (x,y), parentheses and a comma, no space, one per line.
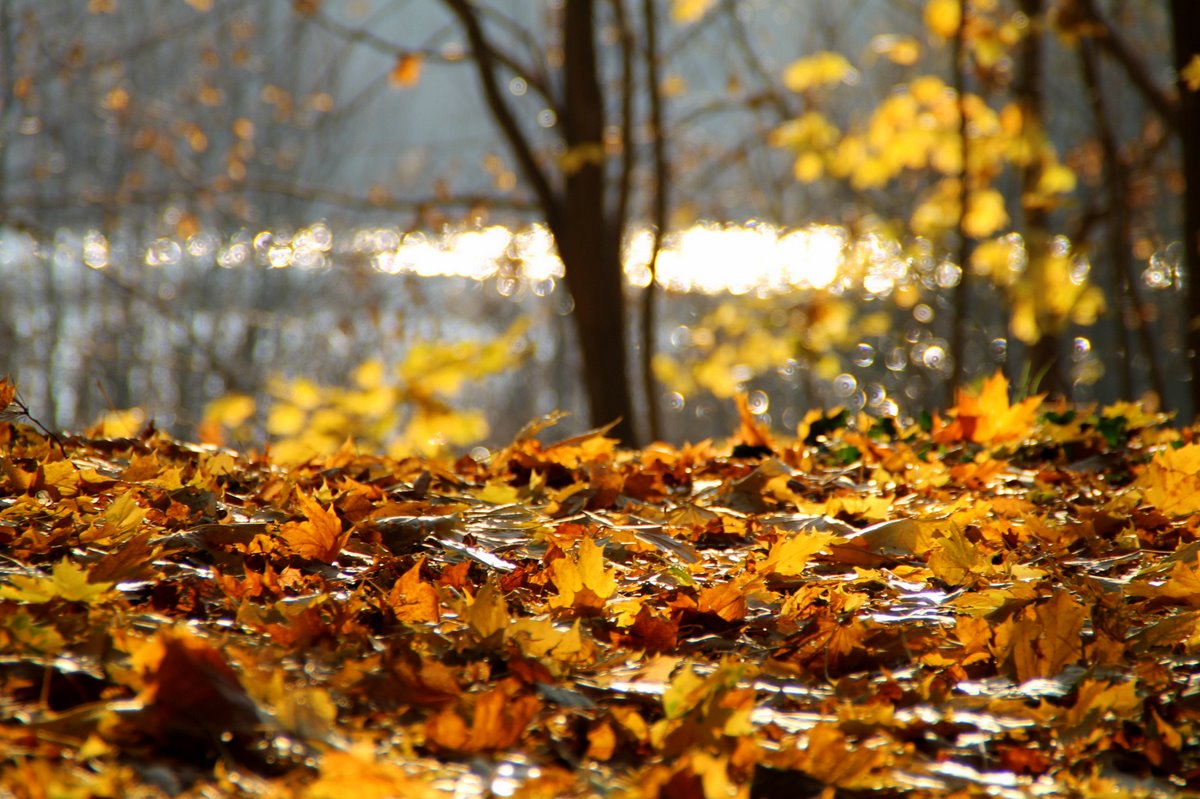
(1125,55)
(485,66)
(628,151)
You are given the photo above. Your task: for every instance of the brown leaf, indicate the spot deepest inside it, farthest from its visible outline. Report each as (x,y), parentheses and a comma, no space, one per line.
(132,560)
(190,688)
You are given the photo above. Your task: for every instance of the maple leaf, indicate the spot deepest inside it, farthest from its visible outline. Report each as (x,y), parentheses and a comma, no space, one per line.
(790,555)
(829,757)
(27,633)
(582,581)
(190,688)
(361,774)
(956,560)
(66,581)
(414,600)
(1183,584)
(727,600)
(1171,481)
(498,720)
(987,417)
(1045,641)
(487,613)
(320,537)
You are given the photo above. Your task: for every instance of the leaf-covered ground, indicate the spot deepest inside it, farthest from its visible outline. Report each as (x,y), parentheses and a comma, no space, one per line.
(1003,601)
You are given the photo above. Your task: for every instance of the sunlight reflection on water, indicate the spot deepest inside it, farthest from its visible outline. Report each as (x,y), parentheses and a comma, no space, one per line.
(158,315)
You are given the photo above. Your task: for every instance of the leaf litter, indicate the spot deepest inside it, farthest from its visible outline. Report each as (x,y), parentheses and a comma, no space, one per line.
(1002,601)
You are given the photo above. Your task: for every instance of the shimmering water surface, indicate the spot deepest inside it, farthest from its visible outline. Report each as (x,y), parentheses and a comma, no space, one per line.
(89,322)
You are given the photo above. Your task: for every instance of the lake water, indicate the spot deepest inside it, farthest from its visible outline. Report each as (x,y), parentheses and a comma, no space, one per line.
(90,323)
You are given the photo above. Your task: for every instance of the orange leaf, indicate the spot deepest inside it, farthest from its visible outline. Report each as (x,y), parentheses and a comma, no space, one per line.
(497,722)
(320,537)
(988,418)
(751,432)
(413,599)
(407,71)
(726,601)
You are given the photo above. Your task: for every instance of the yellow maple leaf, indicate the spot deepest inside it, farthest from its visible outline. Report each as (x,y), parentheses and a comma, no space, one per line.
(487,613)
(788,556)
(498,720)
(582,581)
(988,418)
(413,599)
(954,559)
(66,581)
(1171,481)
(1047,638)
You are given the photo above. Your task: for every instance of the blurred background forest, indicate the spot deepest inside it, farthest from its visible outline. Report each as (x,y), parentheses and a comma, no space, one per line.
(422,223)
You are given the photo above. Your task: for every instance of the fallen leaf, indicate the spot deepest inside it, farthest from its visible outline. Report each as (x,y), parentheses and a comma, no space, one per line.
(320,537)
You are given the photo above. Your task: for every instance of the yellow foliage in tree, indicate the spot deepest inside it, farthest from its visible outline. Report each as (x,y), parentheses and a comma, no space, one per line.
(407,415)
(820,69)
(684,12)
(943,17)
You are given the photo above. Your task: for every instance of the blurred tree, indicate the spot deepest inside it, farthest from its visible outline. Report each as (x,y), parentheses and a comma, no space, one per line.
(1186,22)
(994,162)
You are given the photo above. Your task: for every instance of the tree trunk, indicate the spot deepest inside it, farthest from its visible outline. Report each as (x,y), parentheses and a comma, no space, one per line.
(588,241)
(586,237)
(1186,18)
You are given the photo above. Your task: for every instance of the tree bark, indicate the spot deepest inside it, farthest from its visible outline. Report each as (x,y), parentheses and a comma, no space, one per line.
(586,238)
(1186,19)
